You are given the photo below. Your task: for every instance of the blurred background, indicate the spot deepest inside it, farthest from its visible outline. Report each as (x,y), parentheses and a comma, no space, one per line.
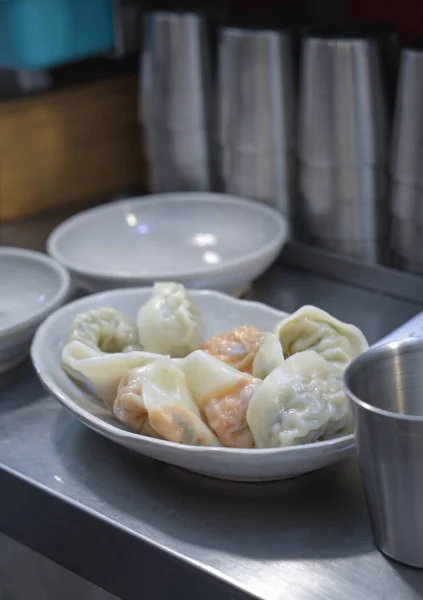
(295,103)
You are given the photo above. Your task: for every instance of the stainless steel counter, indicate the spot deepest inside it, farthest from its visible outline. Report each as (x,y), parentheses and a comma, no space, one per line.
(142,529)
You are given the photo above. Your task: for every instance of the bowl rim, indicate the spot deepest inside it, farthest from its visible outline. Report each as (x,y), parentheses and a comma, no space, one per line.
(382,351)
(99,425)
(64,285)
(275,243)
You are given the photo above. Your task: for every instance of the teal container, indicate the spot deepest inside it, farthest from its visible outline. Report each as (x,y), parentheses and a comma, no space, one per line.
(36,34)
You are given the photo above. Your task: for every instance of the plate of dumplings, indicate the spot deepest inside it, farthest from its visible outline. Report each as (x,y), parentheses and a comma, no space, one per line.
(223,387)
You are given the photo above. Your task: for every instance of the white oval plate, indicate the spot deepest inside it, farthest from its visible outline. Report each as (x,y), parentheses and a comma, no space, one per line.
(203,240)
(220,313)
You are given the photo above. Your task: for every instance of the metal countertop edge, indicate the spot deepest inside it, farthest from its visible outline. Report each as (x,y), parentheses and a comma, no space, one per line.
(24,504)
(374,278)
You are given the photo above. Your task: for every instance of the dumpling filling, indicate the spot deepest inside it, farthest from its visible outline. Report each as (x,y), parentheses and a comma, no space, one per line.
(156,399)
(237,347)
(223,394)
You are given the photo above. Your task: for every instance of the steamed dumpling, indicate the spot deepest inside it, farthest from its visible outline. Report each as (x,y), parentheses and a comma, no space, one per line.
(222,393)
(310,328)
(102,370)
(268,357)
(105,329)
(156,399)
(237,347)
(299,402)
(170,323)
(129,407)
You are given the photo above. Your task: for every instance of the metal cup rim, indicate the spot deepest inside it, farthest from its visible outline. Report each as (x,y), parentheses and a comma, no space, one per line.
(409,344)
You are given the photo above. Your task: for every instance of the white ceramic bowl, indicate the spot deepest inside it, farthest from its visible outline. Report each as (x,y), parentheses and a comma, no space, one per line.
(203,240)
(220,312)
(32,285)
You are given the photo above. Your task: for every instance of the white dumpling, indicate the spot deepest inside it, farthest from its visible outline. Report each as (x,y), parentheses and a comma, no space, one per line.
(268,357)
(105,329)
(156,398)
(170,323)
(102,370)
(129,407)
(299,402)
(310,328)
(222,393)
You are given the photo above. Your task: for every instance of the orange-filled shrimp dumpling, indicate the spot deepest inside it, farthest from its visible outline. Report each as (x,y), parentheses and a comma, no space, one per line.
(155,401)
(222,394)
(237,347)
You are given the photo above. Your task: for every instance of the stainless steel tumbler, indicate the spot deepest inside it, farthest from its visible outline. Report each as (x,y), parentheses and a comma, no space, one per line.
(175,100)
(407,202)
(407,139)
(343,141)
(256,90)
(343,116)
(269,178)
(407,226)
(407,239)
(385,386)
(256,113)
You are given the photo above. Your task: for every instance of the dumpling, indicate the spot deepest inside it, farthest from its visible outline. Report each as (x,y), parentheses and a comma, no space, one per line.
(222,393)
(102,370)
(299,402)
(129,407)
(170,323)
(105,329)
(237,347)
(310,328)
(268,357)
(156,399)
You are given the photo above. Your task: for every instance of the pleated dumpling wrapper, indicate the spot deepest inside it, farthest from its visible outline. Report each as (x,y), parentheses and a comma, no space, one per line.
(269,356)
(237,347)
(299,402)
(155,400)
(222,394)
(310,328)
(170,323)
(102,370)
(105,329)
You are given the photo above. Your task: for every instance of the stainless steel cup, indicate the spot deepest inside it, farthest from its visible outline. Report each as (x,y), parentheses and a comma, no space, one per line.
(256,113)
(407,239)
(180,161)
(267,177)
(175,100)
(343,114)
(385,386)
(256,95)
(407,140)
(346,209)
(407,202)
(175,80)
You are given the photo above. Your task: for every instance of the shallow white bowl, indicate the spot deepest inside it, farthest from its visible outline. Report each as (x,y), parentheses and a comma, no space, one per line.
(220,313)
(203,240)
(32,285)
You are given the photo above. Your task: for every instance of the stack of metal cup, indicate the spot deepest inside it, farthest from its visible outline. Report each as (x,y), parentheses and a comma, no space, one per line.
(344,139)
(175,100)
(406,201)
(256,112)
